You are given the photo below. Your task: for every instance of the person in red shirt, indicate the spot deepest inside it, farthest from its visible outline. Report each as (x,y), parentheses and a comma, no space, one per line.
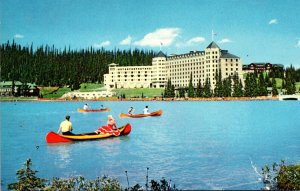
(110,128)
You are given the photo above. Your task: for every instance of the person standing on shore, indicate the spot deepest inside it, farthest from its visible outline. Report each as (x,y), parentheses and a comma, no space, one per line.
(66,127)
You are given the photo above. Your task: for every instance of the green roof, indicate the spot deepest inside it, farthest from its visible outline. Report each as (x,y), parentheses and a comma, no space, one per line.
(9,83)
(17,83)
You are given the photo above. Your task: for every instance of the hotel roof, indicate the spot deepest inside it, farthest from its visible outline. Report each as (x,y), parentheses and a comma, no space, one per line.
(213,45)
(228,55)
(160,54)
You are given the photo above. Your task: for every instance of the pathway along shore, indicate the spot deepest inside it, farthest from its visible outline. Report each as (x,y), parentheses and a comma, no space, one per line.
(13,99)
(168,99)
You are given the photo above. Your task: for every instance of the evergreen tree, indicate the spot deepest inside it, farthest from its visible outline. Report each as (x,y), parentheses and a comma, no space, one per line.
(169,90)
(172,90)
(237,86)
(27,179)
(227,87)
(207,88)
(262,88)
(218,91)
(251,87)
(191,92)
(199,90)
(247,92)
(48,66)
(274,88)
(290,85)
(181,92)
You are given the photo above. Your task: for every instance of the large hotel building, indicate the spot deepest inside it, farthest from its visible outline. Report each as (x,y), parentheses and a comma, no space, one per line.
(178,68)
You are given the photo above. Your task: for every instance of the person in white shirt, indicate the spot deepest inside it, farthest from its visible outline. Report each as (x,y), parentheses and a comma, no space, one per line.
(66,127)
(146,110)
(85,107)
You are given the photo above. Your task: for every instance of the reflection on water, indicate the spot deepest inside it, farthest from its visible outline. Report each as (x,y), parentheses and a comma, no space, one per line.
(63,152)
(199,145)
(111,145)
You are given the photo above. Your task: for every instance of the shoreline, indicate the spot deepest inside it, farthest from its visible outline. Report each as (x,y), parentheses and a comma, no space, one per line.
(259,98)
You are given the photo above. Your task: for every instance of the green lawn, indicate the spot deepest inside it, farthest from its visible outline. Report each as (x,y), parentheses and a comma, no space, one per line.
(56,93)
(12,98)
(298,86)
(89,87)
(137,92)
(278,82)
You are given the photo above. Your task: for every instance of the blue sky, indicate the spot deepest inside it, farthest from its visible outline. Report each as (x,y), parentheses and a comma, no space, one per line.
(255,30)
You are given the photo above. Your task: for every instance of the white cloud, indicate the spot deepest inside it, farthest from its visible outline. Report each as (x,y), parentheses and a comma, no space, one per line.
(298,43)
(191,42)
(273,22)
(126,41)
(18,36)
(166,36)
(196,40)
(225,40)
(102,44)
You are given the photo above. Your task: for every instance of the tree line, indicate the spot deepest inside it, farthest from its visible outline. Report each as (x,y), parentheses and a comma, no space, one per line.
(49,66)
(255,84)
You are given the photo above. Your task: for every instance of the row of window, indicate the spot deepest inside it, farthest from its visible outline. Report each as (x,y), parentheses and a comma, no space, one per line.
(130,68)
(132,72)
(213,52)
(186,56)
(187,61)
(119,80)
(213,57)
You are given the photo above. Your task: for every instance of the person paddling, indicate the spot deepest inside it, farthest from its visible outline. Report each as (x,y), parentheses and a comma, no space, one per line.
(86,106)
(146,110)
(66,127)
(130,110)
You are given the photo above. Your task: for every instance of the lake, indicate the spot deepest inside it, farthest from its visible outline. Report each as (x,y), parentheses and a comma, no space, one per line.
(196,144)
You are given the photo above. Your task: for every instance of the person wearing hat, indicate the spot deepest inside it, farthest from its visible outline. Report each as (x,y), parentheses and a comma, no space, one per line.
(66,127)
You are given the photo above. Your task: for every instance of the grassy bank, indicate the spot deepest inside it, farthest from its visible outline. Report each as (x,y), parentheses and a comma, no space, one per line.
(53,92)
(139,92)
(12,98)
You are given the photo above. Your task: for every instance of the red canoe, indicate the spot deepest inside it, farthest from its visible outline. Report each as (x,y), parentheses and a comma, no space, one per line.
(52,137)
(155,113)
(93,110)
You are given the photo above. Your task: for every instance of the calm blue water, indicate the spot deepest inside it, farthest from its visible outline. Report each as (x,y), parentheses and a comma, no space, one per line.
(199,145)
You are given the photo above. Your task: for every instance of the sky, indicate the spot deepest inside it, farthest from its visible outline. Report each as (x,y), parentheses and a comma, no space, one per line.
(254,30)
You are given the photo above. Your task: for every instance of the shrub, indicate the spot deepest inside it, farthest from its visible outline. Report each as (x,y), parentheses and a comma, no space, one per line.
(27,179)
(281,177)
